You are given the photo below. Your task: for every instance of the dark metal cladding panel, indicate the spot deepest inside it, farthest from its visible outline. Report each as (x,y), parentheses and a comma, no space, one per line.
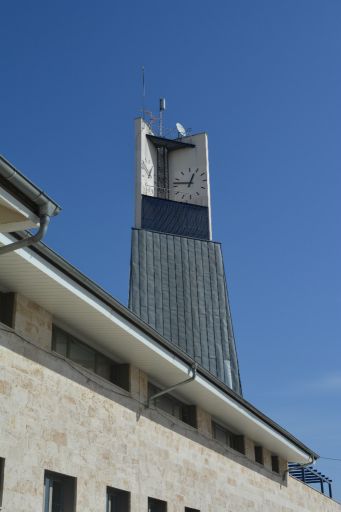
(209,310)
(224,317)
(206,361)
(187,297)
(151,302)
(180,270)
(168,216)
(134,285)
(194,305)
(173,303)
(143,276)
(165,288)
(236,383)
(158,284)
(178,286)
(215,311)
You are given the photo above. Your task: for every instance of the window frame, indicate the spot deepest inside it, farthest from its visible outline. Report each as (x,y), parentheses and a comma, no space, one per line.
(7,300)
(259,454)
(2,478)
(115,492)
(68,485)
(233,440)
(275,463)
(157,501)
(119,374)
(187,411)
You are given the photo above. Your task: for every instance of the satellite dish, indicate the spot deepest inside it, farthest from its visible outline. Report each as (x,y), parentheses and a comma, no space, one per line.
(181,129)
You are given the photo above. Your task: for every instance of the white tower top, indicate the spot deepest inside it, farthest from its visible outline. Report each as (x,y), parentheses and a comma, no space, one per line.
(175,170)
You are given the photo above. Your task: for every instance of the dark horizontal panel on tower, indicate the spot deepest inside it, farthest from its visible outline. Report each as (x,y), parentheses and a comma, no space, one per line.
(176,218)
(170,144)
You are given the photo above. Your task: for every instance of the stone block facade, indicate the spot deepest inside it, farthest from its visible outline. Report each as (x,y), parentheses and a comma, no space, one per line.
(60,417)
(32,322)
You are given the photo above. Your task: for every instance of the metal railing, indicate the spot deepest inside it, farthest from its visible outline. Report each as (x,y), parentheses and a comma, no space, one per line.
(309,475)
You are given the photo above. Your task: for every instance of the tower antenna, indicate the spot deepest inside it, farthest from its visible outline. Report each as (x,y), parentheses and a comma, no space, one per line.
(162,109)
(143,94)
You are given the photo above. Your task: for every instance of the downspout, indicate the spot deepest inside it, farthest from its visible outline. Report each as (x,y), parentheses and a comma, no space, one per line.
(168,390)
(34,198)
(311,462)
(30,240)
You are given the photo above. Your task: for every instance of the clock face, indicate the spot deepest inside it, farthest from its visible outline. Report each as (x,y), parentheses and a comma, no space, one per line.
(189,185)
(147,177)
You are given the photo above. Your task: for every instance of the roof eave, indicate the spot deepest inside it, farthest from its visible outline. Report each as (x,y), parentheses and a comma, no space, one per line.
(22,189)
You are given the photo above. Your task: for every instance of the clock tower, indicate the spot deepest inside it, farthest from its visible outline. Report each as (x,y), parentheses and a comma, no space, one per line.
(177,277)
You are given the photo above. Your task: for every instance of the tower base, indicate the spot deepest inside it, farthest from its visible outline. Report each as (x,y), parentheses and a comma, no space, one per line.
(178,286)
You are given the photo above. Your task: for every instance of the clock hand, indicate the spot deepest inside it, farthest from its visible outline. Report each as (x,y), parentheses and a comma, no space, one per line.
(180,182)
(191,181)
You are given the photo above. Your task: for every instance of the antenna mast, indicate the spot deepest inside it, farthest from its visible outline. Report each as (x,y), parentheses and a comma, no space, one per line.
(143,94)
(162,109)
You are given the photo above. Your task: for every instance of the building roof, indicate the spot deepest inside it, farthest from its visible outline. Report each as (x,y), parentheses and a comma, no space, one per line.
(73,299)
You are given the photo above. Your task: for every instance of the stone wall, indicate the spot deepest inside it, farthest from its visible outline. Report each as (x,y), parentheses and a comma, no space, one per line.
(57,416)
(32,322)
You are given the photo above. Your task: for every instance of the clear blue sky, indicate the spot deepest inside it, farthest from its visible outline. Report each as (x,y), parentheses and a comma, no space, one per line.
(263,78)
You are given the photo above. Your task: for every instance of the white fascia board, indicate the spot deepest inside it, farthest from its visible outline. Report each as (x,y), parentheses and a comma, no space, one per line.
(149,355)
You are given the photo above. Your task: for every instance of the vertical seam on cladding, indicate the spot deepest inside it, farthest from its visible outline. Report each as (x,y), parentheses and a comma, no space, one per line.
(209,311)
(227,349)
(146,267)
(139,265)
(153,241)
(176,294)
(198,309)
(191,301)
(183,294)
(161,288)
(169,298)
(213,322)
(184,249)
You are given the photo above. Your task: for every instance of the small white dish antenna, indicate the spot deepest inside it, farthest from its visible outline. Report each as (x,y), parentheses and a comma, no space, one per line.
(181,129)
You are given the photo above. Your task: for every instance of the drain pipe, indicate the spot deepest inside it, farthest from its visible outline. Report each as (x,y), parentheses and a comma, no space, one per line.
(306,464)
(30,240)
(42,206)
(168,390)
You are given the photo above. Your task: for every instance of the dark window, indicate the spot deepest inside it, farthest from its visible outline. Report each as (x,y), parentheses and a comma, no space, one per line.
(155,505)
(275,463)
(68,346)
(188,509)
(59,493)
(173,406)
(6,308)
(2,472)
(259,454)
(117,500)
(225,436)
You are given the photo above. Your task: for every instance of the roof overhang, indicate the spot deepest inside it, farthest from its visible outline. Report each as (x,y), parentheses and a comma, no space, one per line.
(169,144)
(14,216)
(21,202)
(45,278)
